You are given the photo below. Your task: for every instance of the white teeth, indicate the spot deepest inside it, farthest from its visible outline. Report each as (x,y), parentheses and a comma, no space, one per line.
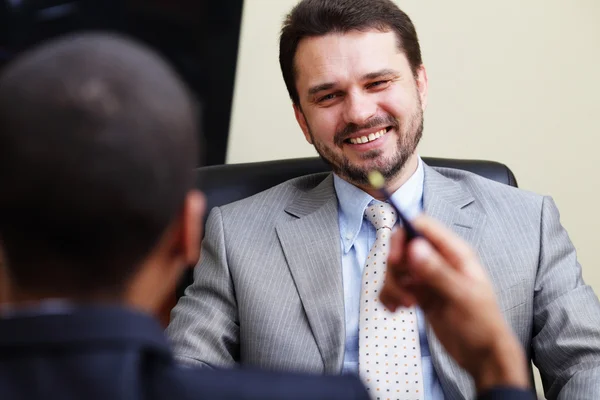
(367,139)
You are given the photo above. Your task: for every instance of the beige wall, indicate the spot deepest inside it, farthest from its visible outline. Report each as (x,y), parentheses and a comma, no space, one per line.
(517,81)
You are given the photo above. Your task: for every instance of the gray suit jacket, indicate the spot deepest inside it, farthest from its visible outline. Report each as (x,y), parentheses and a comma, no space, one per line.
(268,289)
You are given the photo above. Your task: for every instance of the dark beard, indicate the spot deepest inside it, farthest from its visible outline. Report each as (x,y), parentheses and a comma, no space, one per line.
(408,140)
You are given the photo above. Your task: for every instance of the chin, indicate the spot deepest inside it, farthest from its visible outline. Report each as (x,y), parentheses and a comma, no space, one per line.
(373,159)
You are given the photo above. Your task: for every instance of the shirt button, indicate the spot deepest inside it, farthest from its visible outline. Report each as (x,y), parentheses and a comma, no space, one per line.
(348,236)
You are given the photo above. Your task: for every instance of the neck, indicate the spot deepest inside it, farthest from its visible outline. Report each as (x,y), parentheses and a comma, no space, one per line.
(410,167)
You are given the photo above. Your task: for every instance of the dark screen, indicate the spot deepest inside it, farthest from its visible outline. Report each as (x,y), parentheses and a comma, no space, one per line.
(200,39)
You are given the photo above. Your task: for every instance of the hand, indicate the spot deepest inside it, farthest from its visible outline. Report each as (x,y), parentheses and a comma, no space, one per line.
(443,276)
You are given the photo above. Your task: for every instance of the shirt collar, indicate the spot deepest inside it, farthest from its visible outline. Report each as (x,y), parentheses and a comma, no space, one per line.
(352,202)
(85,325)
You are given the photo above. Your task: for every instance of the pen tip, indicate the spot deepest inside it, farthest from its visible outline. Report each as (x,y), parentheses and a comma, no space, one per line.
(376,179)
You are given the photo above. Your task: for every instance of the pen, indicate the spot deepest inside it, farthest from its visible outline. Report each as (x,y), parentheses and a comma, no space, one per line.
(378,182)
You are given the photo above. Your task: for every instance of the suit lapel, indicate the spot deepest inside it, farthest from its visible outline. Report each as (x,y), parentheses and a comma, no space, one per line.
(446,201)
(311,244)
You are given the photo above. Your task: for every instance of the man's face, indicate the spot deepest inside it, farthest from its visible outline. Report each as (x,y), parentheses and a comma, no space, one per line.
(360,104)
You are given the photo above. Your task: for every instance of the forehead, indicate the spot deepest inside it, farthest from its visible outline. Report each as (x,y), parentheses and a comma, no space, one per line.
(341,56)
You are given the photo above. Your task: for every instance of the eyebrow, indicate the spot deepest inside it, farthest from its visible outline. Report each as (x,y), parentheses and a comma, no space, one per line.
(379,74)
(320,88)
(330,85)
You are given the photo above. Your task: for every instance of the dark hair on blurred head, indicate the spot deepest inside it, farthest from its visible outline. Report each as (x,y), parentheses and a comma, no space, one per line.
(311,18)
(98,142)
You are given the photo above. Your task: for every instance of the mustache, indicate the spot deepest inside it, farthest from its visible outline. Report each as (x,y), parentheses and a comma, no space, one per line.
(351,129)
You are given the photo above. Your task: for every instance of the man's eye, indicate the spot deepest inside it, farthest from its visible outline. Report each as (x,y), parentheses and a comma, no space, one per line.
(327,97)
(378,83)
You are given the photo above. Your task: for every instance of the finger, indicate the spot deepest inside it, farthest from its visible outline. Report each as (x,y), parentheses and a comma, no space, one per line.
(451,247)
(395,270)
(432,271)
(396,247)
(393,296)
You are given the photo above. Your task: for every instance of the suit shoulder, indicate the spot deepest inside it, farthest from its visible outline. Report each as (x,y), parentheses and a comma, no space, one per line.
(491,192)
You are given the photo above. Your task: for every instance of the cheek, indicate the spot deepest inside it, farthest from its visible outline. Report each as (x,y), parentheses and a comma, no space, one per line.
(323,124)
(400,103)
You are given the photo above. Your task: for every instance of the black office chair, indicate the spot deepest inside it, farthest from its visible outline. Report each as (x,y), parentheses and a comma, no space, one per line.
(223,184)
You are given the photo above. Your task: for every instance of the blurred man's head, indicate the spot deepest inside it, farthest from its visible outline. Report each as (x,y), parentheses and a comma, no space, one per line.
(354,72)
(98,143)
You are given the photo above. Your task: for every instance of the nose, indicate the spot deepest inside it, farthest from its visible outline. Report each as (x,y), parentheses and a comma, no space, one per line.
(359,108)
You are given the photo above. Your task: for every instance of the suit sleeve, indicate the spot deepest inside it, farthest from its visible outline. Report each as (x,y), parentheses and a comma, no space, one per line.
(566,326)
(204,328)
(507,393)
(246,384)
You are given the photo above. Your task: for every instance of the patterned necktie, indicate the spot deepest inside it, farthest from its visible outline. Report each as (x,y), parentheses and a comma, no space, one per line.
(389,350)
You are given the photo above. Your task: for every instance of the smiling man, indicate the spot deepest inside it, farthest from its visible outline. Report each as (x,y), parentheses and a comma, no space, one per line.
(288,279)
(359,102)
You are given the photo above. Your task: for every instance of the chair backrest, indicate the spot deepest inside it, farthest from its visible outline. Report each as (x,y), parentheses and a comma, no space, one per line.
(224,184)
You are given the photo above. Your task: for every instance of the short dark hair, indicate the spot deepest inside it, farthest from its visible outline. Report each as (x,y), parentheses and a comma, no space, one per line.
(311,18)
(98,145)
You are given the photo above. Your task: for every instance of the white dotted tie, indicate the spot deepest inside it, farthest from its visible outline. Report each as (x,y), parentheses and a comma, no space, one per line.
(389,350)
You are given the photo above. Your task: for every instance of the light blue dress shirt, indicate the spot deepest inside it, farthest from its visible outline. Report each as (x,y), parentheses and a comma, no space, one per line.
(357,237)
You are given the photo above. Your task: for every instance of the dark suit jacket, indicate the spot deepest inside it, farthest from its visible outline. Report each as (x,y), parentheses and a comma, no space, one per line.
(113,353)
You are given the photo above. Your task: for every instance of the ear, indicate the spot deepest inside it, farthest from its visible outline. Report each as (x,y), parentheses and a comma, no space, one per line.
(152,287)
(302,122)
(422,85)
(191,226)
